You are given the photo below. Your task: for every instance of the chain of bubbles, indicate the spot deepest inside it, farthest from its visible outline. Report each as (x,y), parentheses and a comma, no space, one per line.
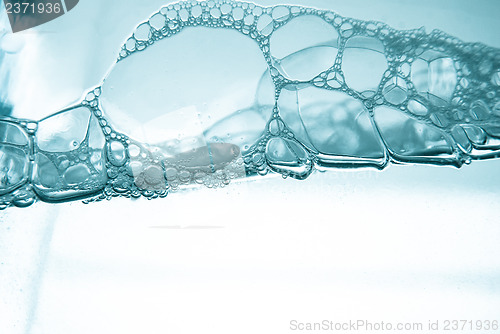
(477,67)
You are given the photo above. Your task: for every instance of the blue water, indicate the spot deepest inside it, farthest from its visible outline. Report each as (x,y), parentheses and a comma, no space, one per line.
(281,89)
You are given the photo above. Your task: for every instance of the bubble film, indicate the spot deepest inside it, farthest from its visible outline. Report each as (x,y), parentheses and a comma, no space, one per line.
(282,89)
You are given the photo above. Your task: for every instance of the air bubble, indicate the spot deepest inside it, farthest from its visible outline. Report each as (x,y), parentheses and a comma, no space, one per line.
(363,63)
(495,78)
(225,8)
(76,174)
(184,176)
(157,21)
(417,108)
(134,150)
(439,120)
(479,110)
(265,25)
(196,11)
(215,13)
(276,126)
(90,96)
(171,14)
(464,82)
(184,15)
(485,67)
(475,134)
(249,19)
(334,80)
(346,29)
(143,32)
(280,13)
(31,126)
(396,91)
(257,11)
(496,109)
(153,175)
(404,69)
(116,153)
(130,45)
(238,13)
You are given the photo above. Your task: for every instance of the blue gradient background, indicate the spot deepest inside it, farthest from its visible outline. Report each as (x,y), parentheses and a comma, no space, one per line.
(410,243)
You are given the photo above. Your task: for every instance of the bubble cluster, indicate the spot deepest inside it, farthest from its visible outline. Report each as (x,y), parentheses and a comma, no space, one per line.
(333,92)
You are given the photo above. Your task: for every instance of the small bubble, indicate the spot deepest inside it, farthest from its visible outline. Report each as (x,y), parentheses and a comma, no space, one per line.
(90,96)
(495,78)
(31,126)
(215,12)
(157,21)
(249,19)
(130,44)
(172,14)
(404,69)
(257,11)
(225,8)
(485,67)
(143,32)
(280,13)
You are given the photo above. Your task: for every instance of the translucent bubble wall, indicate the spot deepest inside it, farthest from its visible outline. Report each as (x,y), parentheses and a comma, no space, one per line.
(282,89)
